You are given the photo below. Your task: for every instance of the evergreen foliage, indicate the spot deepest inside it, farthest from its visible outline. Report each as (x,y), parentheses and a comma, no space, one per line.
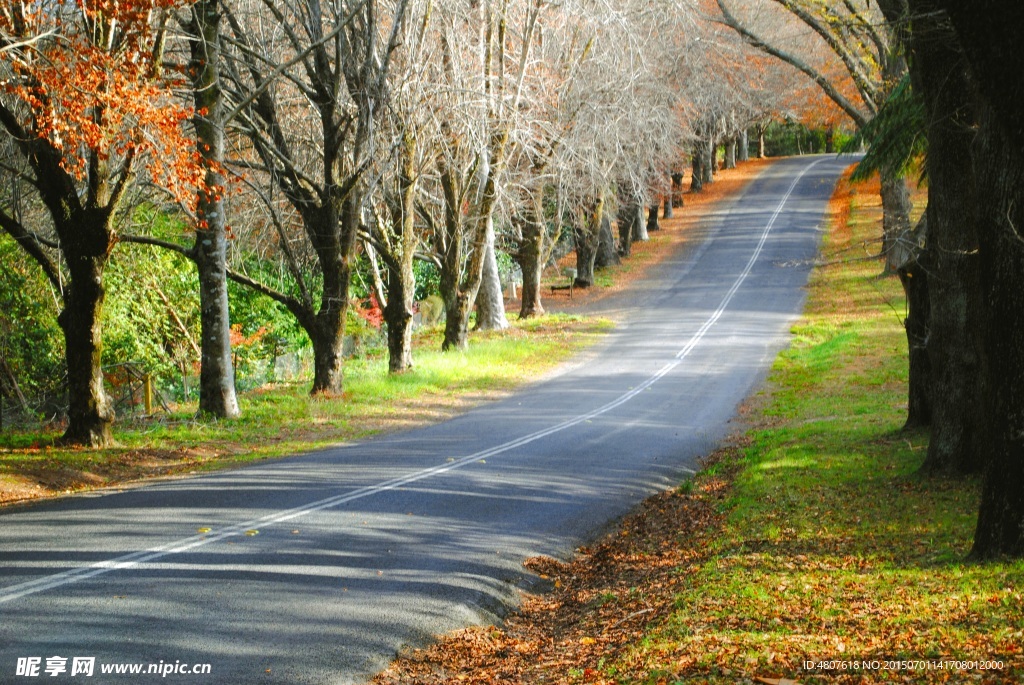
(895,139)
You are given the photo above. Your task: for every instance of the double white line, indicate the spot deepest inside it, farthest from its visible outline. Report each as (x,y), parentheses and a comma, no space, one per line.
(134,559)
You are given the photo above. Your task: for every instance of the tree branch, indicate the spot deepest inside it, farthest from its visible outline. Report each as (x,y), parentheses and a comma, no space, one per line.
(859,117)
(33,245)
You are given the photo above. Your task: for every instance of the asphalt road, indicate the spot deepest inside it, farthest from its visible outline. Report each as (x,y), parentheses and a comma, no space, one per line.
(318,568)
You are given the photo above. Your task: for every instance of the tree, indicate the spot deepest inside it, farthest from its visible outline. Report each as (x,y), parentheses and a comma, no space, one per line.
(958,62)
(86,104)
(392,233)
(485,57)
(624,128)
(896,139)
(856,37)
(940,78)
(217,377)
(292,64)
(987,36)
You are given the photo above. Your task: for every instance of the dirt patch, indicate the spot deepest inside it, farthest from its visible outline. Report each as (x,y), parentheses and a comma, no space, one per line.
(39,475)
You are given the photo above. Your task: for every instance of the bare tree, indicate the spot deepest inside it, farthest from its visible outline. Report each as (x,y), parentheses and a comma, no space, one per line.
(485,57)
(392,232)
(309,80)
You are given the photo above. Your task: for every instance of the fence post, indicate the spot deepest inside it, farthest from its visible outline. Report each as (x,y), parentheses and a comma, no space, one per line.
(147,393)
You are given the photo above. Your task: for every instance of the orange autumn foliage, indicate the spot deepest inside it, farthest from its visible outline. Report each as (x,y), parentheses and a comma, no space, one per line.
(92,84)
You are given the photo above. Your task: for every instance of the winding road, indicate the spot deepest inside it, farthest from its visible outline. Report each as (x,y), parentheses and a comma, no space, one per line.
(318,568)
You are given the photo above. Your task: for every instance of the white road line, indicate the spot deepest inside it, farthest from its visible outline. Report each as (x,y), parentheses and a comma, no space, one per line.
(134,559)
(750,265)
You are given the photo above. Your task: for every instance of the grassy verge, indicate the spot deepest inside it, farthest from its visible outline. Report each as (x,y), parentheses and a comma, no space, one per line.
(283,419)
(812,538)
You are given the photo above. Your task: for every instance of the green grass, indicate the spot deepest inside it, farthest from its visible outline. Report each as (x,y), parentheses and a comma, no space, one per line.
(283,419)
(832,546)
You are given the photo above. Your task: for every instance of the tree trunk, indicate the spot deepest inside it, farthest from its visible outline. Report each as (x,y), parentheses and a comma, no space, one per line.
(588,235)
(914,277)
(652,219)
(677,190)
(626,221)
(639,224)
(743,153)
(939,74)
(697,164)
(328,337)
(956,306)
(338,231)
(999,164)
(531,255)
(896,208)
(1000,517)
(607,254)
(730,153)
(710,165)
(456,302)
(490,301)
(398,311)
(217,375)
(90,413)
(760,142)
(989,37)
(398,316)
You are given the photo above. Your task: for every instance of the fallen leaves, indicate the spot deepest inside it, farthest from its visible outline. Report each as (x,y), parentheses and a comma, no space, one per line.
(600,603)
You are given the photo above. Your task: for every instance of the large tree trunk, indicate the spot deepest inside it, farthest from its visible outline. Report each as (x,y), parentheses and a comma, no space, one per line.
(743,151)
(398,311)
(999,164)
(338,233)
(730,152)
(530,256)
(456,323)
(626,221)
(940,76)
(639,224)
(398,316)
(896,208)
(607,252)
(457,303)
(652,219)
(677,190)
(710,166)
(328,339)
(90,413)
(217,375)
(989,34)
(588,233)
(697,165)
(490,301)
(914,277)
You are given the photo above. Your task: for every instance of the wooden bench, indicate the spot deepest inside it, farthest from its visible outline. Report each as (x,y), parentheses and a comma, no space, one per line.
(563,287)
(569,273)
